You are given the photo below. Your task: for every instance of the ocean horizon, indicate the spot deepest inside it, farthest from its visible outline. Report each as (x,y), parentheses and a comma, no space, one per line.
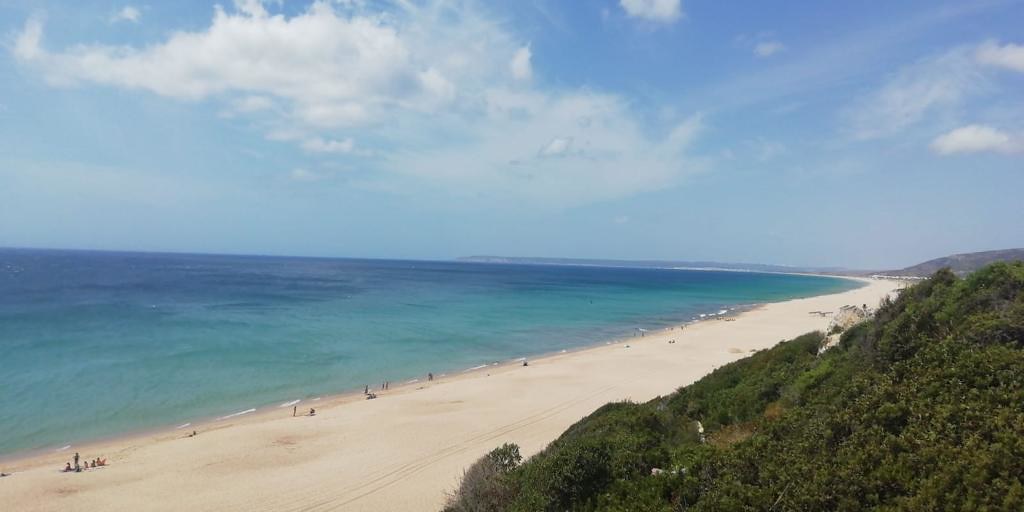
(97,344)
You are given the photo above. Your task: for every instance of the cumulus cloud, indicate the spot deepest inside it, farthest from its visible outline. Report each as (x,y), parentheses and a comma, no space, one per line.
(768,48)
(1009,56)
(127,13)
(661,11)
(976,138)
(440,92)
(334,69)
(520,65)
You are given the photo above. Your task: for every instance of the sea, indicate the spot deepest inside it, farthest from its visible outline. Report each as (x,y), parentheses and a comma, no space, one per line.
(99,344)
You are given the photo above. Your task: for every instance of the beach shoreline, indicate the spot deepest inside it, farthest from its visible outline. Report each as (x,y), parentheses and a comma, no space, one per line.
(589,372)
(271,407)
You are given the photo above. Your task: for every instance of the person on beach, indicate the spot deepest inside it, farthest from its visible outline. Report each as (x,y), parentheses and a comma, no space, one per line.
(67,468)
(92,465)
(312,411)
(366,389)
(430,377)
(76,461)
(295,410)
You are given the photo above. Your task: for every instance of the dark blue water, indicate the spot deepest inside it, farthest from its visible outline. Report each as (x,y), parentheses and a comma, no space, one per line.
(99,343)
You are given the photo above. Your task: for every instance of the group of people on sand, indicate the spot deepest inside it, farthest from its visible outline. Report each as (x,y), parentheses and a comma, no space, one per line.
(79,467)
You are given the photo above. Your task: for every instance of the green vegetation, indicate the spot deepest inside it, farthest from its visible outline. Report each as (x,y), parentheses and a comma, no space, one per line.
(919,408)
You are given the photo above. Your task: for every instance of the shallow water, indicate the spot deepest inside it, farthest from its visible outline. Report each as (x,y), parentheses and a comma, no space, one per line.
(99,343)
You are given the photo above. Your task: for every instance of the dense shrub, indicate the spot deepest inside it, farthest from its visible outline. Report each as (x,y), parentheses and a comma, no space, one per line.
(486,486)
(919,408)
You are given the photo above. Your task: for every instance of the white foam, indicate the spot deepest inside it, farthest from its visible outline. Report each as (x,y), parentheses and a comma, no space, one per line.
(235,415)
(412,381)
(183,425)
(316,399)
(289,404)
(520,359)
(564,350)
(722,312)
(474,368)
(62,448)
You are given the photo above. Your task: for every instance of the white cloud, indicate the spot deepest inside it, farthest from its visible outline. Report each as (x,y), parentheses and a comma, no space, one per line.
(300,174)
(602,149)
(661,11)
(26,45)
(320,145)
(334,69)
(621,219)
(520,65)
(977,138)
(768,48)
(127,13)
(250,104)
(430,85)
(916,91)
(1009,56)
(557,146)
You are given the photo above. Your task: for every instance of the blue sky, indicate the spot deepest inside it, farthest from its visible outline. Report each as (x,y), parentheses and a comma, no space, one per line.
(803,133)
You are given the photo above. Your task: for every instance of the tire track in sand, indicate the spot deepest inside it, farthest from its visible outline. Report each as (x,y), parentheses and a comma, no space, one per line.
(391,477)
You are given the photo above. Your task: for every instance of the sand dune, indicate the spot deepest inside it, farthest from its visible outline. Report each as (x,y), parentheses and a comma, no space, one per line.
(405,449)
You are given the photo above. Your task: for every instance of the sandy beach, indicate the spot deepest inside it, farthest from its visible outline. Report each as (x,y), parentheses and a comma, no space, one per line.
(407,448)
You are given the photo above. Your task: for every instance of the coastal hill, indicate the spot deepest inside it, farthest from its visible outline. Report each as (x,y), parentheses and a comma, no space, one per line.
(960,264)
(917,408)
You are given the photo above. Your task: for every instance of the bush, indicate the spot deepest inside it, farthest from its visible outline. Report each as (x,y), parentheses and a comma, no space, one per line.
(485,485)
(918,408)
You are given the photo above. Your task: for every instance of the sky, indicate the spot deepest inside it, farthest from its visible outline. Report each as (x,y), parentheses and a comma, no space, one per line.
(798,133)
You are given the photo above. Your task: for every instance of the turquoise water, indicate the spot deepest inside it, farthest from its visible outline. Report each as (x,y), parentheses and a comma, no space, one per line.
(94,344)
